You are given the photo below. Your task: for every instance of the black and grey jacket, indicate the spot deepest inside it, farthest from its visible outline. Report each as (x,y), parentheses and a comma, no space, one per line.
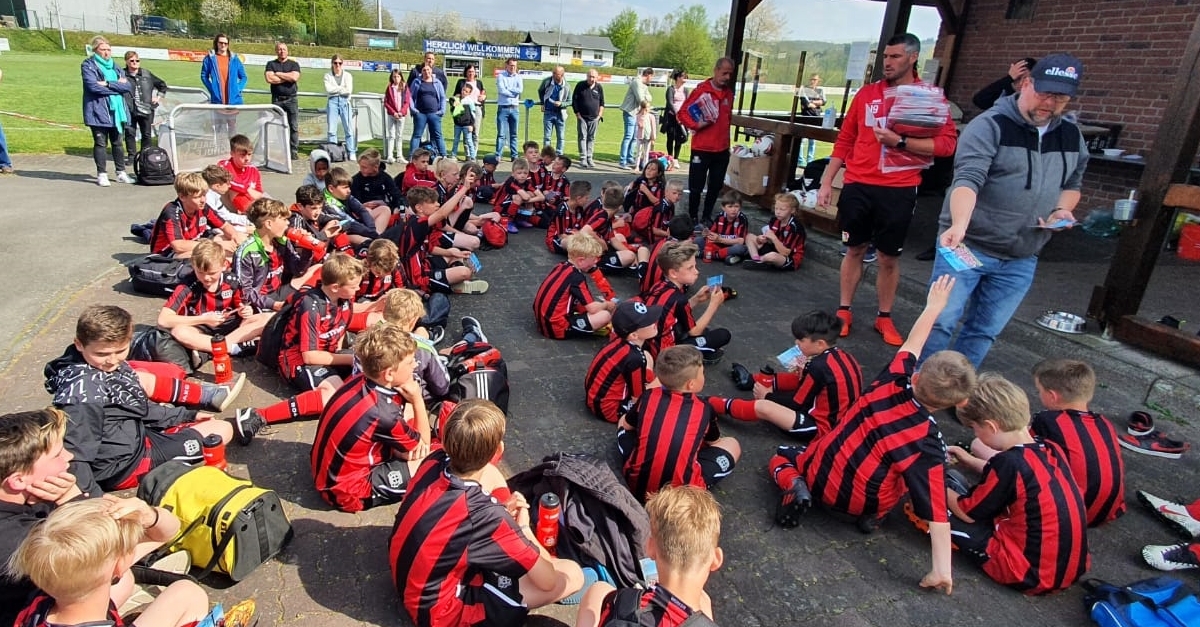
(139,100)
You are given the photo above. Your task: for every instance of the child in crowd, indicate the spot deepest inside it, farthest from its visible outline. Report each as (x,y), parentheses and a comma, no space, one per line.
(678,324)
(568,216)
(372,186)
(312,360)
(539,158)
(725,240)
(645,134)
(886,444)
(649,273)
(685,532)
(518,199)
(188,219)
(463,220)
(486,187)
(219,180)
(555,186)
(658,226)
(1025,522)
(318,167)
(313,232)
(449,174)
(397,102)
(418,172)
(462,550)
(670,437)
(411,232)
(464,111)
(116,433)
(405,309)
(563,306)
(807,405)
(781,245)
(603,221)
(355,218)
(622,370)
(374,431)
(212,304)
(246,186)
(266,266)
(382,264)
(646,191)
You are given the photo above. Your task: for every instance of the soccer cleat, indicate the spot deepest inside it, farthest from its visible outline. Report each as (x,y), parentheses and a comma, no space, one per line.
(473,329)
(1155,444)
(471,286)
(887,329)
(246,423)
(1172,557)
(224,395)
(1175,514)
(436,334)
(793,504)
(713,357)
(1140,423)
(102,179)
(757,264)
(742,379)
(122,177)
(847,319)
(733,260)
(871,256)
(512,228)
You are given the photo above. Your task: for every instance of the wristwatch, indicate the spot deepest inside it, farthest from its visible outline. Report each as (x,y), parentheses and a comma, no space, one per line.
(903,143)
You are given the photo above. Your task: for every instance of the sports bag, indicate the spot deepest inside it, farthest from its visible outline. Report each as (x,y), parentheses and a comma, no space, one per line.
(337,152)
(478,371)
(627,612)
(151,343)
(159,275)
(495,235)
(152,166)
(1154,602)
(270,343)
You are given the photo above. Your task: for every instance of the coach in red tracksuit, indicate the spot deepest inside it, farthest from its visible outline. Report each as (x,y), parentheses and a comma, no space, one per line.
(706,114)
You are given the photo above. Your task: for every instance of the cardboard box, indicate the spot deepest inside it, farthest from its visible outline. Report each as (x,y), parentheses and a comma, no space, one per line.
(748,175)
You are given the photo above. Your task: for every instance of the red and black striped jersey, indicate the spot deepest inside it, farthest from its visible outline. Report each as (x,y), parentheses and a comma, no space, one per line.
(192,299)
(361,426)
(728,228)
(411,233)
(677,319)
(596,217)
(37,614)
(373,286)
(174,224)
(1088,443)
(636,199)
(539,174)
(316,324)
(829,385)
(654,273)
(565,220)
(885,443)
(562,293)
(1039,543)
(502,201)
(560,185)
(792,235)
(448,532)
(660,218)
(670,428)
(661,608)
(617,376)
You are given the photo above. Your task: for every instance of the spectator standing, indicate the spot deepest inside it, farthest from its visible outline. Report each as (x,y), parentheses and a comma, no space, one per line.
(224,77)
(428,107)
(677,94)
(508,99)
(555,99)
(104,89)
(140,102)
(637,93)
(429,61)
(1006,85)
(471,77)
(397,101)
(814,94)
(588,103)
(339,84)
(283,75)
(6,165)
(706,114)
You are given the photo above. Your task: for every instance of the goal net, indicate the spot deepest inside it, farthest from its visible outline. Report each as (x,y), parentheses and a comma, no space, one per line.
(197,135)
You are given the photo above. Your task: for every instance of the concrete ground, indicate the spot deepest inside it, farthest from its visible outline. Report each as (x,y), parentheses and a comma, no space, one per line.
(823,573)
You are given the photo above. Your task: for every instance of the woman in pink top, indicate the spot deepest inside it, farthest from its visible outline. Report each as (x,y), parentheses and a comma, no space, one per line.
(676,134)
(396,102)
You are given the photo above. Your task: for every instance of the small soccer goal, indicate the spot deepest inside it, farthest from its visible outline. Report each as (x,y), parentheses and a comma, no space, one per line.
(197,135)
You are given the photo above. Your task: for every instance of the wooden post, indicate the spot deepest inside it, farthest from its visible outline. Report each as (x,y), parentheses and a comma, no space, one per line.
(895,21)
(737,27)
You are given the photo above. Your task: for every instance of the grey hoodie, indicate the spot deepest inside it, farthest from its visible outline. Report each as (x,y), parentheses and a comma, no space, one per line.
(1016,176)
(313,157)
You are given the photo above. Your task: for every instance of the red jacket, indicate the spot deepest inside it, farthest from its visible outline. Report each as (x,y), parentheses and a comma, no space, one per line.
(394,102)
(857,146)
(705,99)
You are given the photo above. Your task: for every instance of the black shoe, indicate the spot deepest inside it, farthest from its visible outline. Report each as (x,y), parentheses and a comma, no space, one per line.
(741,377)
(869,523)
(713,357)
(246,423)
(756,265)
(436,334)
(730,293)
(927,255)
(793,504)
(472,330)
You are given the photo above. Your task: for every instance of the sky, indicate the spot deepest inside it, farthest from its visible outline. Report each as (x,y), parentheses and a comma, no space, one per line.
(836,21)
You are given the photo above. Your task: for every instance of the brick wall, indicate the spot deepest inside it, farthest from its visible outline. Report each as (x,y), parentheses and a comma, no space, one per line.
(1130,51)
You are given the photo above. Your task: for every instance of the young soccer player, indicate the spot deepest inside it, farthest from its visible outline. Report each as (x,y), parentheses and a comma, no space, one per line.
(246,186)
(463,220)
(187,219)
(453,235)
(648,271)
(678,324)
(563,306)
(685,531)
(374,431)
(652,223)
(555,185)
(405,309)
(646,191)
(725,240)
(670,437)
(115,432)
(372,186)
(539,158)
(219,180)
(312,360)
(413,232)
(211,304)
(886,444)
(462,550)
(266,266)
(518,199)
(418,172)
(1025,522)
(355,219)
(602,220)
(807,405)
(313,232)
(568,216)
(487,186)
(781,245)
(622,370)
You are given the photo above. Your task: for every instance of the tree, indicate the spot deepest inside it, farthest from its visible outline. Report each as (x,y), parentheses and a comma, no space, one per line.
(688,46)
(220,11)
(622,30)
(765,26)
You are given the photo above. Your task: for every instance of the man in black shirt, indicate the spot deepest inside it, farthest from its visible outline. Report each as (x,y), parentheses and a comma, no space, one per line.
(588,103)
(430,59)
(282,75)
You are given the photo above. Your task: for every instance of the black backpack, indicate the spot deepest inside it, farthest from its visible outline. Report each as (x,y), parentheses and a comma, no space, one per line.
(626,612)
(151,343)
(464,117)
(159,275)
(152,166)
(477,371)
(270,343)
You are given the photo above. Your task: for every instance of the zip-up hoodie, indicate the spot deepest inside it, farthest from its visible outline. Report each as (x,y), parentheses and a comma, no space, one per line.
(313,158)
(1016,176)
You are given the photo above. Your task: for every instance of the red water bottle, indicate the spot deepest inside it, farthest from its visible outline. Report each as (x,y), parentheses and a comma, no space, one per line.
(547,522)
(214,451)
(222,364)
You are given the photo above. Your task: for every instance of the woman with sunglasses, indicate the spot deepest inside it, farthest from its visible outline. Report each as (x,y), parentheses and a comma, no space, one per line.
(338,86)
(224,77)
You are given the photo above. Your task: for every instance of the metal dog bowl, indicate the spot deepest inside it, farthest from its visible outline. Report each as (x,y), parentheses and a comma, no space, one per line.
(1062,321)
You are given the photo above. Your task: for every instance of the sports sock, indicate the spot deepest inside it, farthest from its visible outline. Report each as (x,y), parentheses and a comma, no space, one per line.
(742,409)
(719,405)
(175,391)
(602,284)
(299,406)
(235,349)
(883,314)
(783,471)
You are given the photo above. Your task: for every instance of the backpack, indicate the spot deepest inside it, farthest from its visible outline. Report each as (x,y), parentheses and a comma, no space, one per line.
(152,166)
(494,234)
(627,612)
(336,150)
(270,343)
(477,370)
(228,525)
(1154,602)
(150,343)
(464,117)
(159,275)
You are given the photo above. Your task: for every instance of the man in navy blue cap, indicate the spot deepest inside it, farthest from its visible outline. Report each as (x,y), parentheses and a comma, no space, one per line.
(1017,176)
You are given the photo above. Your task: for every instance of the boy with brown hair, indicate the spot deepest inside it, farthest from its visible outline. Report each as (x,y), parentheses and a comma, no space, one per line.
(462,550)
(602,221)
(313,232)
(518,198)
(418,172)
(404,308)
(622,370)
(411,233)
(647,269)
(355,219)
(563,306)
(567,216)
(725,240)
(246,186)
(670,437)
(679,325)
(685,532)
(219,181)
(266,265)
(188,219)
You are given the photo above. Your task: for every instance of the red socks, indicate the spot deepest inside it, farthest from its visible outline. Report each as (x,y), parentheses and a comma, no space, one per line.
(175,391)
(783,471)
(303,405)
(739,408)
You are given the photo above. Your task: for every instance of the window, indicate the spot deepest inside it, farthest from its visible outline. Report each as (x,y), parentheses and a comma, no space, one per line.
(1020,9)
(597,56)
(553,51)
(577,53)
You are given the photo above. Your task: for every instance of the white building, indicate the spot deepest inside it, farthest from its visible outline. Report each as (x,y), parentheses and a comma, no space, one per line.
(567,49)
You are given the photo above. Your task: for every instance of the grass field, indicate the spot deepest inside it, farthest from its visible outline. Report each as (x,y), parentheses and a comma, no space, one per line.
(48,87)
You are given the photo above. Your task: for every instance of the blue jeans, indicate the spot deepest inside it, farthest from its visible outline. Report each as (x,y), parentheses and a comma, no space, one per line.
(339,110)
(468,139)
(812,150)
(434,123)
(628,145)
(506,129)
(551,120)
(5,160)
(984,298)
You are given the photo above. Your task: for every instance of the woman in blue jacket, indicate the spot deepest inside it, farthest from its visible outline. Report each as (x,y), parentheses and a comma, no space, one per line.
(104,89)
(224,77)
(428,107)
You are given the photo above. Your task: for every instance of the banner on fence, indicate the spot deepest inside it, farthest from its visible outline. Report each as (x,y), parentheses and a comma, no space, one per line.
(487,51)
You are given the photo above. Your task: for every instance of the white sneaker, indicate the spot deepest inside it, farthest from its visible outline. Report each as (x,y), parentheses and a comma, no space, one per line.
(353,156)
(122,177)
(472,286)
(1173,513)
(401,160)
(1171,557)
(102,179)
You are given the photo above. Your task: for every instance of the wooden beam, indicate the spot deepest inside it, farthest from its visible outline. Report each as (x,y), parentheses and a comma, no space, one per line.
(949,15)
(1170,158)
(738,9)
(1158,338)
(1181,196)
(895,21)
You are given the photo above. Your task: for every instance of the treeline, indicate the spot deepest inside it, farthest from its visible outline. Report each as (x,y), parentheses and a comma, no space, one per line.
(323,22)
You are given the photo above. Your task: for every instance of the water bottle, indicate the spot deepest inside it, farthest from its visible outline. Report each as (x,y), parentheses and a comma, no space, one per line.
(547,522)
(222,363)
(829,120)
(214,451)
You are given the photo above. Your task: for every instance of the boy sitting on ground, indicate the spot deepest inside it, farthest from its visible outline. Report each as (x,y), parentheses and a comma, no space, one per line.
(453,234)
(404,309)
(602,220)
(725,240)
(781,245)
(568,216)
(670,437)
(219,180)
(246,186)
(382,263)
(360,223)
(411,233)
(563,306)
(622,370)
(462,550)
(647,269)
(313,232)
(487,186)
(372,186)
(554,184)
(652,224)
(266,266)
(685,530)
(418,172)
(374,431)
(187,219)
(318,167)
(518,198)
(462,220)
(678,324)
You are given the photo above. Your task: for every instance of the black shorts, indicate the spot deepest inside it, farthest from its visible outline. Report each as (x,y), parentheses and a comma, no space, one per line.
(306,378)
(225,328)
(715,464)
(788,265)
(579,325)
(498,599)
(185,445)
(869,213)
(803,427)
(282,293)
(389,482)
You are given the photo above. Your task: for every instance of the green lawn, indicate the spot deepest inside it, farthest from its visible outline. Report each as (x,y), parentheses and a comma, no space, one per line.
(48,86)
